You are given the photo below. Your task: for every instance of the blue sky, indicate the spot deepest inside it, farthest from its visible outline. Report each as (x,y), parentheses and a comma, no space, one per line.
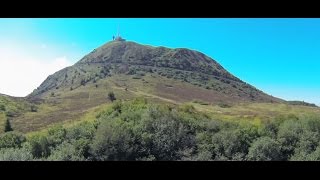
(279,56)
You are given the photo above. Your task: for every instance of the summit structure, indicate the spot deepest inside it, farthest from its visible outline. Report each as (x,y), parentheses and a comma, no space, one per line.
(118,37)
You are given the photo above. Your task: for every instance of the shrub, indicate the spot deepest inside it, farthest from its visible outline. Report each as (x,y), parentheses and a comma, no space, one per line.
(229,145)
(168,134)
(2,107)
(11,140)
(84,130)
(307,145)
(188,108)
(136,77)
(270,129)
(113,142)
(265,149)
(141,131)
(111,96)
(39,146)
(66,152)
(83,82)
(11,113)
(288,135)
(314,156)
(200,102)
(224,105)
(56,135)
(15,154)
(33,108)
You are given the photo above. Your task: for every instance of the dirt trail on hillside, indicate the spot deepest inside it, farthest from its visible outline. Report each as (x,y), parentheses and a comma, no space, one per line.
(148,95)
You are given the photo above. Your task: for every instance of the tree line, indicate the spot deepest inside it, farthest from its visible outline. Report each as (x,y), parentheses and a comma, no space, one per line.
(139,130)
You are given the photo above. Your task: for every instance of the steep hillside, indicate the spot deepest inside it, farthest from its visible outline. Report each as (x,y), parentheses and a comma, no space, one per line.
(192,75)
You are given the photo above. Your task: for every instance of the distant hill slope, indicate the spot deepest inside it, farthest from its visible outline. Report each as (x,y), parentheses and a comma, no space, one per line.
(301,103)
(191,74)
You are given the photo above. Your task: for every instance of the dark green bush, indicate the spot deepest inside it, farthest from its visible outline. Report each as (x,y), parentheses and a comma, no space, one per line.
(39,146)
(111,96)
(2,107)
(11,140)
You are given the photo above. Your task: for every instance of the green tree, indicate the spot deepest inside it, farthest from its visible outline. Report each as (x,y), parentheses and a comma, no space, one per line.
(7,126)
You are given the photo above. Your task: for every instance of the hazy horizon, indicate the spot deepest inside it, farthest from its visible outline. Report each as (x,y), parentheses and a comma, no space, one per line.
(277,56)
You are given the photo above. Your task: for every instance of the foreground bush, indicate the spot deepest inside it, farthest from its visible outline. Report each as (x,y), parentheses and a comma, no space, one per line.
(265,149)
(15,154)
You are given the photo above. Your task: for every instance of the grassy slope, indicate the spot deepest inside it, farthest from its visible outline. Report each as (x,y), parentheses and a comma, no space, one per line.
(256,112)
(2,121)
(68,107)
(11,108)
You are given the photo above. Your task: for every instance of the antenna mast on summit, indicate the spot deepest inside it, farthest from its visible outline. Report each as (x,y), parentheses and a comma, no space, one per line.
(118,37)
(118,31)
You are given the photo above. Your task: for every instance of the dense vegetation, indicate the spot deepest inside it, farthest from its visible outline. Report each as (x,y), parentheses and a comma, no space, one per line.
(138,130)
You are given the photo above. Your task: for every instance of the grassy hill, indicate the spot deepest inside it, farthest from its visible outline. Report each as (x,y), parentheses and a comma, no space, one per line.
(136,61)
(130,70)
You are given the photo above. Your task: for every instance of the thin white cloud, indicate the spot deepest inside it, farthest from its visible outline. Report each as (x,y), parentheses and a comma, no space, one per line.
(22,72)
